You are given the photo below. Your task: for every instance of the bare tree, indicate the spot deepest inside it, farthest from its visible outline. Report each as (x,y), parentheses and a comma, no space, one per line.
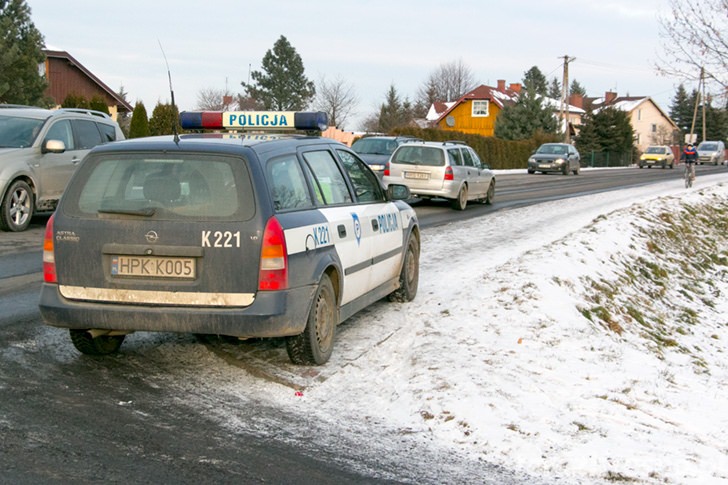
(446,83)
(213,99)
(694,36)
(337,99)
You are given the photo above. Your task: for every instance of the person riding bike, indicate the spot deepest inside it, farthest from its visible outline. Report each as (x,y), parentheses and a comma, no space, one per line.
(690,156)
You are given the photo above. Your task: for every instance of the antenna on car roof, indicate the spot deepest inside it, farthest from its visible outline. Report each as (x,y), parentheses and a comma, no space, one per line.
(171,91)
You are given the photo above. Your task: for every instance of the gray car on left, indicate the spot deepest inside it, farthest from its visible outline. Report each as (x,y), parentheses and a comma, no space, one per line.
(39,151)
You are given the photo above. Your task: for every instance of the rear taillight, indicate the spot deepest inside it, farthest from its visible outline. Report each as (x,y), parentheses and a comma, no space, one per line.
(273,258)
(49,257)
(448,173)
(386,169)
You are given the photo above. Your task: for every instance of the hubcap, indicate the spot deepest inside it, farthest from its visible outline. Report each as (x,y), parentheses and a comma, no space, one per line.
(19,207)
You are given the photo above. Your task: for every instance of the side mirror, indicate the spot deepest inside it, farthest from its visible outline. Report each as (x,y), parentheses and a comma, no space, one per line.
(53,146)
(398,192)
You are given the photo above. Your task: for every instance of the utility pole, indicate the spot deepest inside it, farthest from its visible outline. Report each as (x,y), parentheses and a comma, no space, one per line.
(564,112)
(692,137)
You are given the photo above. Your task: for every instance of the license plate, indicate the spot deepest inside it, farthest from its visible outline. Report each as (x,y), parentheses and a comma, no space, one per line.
(417,175)
(153,267)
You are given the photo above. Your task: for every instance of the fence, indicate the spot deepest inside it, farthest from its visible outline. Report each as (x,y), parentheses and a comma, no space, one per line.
(607,159)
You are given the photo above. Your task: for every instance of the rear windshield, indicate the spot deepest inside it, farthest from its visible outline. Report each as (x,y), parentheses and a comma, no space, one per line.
(419,155)
(374,146)
(189,186)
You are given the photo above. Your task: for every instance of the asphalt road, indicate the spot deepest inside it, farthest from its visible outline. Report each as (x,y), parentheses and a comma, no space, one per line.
(129,417)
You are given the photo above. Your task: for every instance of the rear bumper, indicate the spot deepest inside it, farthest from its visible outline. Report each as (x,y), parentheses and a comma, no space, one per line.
(272,314)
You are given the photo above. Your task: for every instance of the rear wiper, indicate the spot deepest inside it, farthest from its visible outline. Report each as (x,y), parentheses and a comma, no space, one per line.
(147,211)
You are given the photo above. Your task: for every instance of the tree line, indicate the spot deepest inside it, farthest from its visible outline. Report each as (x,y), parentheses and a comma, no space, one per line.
(282,84)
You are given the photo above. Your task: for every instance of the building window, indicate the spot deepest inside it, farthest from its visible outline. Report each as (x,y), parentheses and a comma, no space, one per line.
(639,115)
(480,108)
(654,128)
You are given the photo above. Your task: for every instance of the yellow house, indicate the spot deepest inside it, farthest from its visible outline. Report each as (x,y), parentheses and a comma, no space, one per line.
(476,111)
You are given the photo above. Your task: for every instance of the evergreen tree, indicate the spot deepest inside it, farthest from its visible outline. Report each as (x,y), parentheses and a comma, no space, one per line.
(394,111)
(139,125)
(526,118)
(282,85)
(554,90)
(97,103)
(165,118)
(607,130)
(576,88)
(21,51)
(681,109)
(74,101)
(535,78)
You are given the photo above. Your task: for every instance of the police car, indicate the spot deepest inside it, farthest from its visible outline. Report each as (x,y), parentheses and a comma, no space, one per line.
(240,234)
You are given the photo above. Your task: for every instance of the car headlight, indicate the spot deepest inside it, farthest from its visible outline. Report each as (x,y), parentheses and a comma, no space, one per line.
(531,160)
(559,161)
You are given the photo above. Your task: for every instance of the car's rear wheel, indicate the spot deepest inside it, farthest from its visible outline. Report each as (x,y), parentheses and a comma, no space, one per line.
(409,277)
(490,195)
(577,170)
(314,345)
(17,207)
(90,345)
(461,202)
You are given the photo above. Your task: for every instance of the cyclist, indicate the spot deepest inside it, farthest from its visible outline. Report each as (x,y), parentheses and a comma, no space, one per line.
(690,155)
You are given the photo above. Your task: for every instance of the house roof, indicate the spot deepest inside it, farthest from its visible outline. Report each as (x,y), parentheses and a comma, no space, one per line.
(482,92)
(56,54)
(625,103)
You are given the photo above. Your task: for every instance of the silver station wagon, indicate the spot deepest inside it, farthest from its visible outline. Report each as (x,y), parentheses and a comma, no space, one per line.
(256,235)
(450,170)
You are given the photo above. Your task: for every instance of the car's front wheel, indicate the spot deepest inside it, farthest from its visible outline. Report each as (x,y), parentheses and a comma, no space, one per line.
(314,345)
(17,207)
(461,202)
(90,345)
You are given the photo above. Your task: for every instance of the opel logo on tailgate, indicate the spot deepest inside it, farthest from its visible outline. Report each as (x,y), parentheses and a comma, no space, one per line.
(152,236)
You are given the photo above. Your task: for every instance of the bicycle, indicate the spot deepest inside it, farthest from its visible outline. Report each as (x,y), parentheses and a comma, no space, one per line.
(689,174)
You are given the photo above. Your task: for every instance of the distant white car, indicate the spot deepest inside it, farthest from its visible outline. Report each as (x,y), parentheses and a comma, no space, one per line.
(450,170)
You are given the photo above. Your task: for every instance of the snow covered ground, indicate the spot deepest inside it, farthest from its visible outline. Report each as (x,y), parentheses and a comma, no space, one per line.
(571,342)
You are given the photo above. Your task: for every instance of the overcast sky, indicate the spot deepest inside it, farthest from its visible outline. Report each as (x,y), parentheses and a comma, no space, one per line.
(370,44)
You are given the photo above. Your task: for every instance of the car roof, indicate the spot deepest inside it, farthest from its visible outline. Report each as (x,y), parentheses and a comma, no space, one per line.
(218,142)
(42,113)
(27,112)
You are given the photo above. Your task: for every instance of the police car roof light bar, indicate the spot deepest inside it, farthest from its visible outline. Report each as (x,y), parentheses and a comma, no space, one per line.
(254,120)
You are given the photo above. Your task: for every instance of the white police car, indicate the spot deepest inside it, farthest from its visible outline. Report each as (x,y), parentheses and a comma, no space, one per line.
(246,235)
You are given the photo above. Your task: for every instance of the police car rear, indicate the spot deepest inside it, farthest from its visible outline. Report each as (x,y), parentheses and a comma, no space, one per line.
(253,235)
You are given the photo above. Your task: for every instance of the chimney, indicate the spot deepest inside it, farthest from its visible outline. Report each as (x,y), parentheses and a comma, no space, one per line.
(577,100)
(609,97)
(515,87)
(501,85)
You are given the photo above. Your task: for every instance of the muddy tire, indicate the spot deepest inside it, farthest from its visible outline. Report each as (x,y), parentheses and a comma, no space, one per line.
(409,277)
(461,202)
(314,345)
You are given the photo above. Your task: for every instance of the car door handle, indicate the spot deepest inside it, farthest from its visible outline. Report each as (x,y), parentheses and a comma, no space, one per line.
(342,230)
(375,225)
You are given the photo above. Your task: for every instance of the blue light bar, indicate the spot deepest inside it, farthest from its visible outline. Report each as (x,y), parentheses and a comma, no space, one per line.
(254,120)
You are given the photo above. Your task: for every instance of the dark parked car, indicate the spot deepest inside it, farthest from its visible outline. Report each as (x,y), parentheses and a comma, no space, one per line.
(555,157)
(226,234)
(376,150)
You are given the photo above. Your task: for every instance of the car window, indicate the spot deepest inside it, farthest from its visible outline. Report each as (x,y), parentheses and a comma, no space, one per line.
(374,146)
(108,132)
(467,158)
(454,155)
(183,186)
(17,132)
(61,130)
(288,185)
(87,134)
(366,185)
(327,180)
(419,155)
(476,160)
